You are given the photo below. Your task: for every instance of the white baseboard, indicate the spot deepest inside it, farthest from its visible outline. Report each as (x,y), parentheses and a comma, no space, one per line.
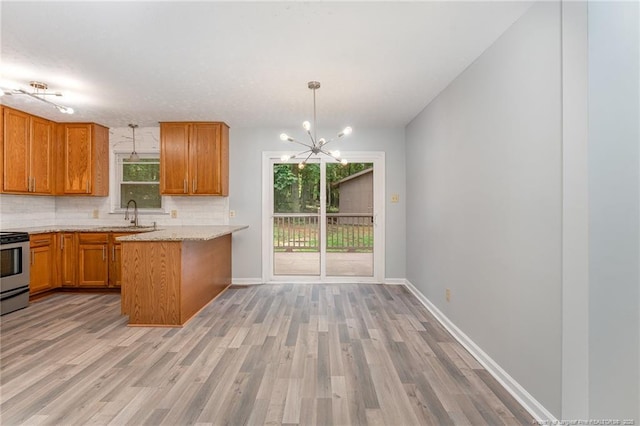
(246,281)
(395,281)
(529,403)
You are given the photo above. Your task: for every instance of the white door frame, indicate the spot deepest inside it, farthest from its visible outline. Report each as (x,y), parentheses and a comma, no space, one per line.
(378,160)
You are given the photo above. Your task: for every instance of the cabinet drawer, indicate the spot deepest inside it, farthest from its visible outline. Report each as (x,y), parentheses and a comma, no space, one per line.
(39,240)
(93,238)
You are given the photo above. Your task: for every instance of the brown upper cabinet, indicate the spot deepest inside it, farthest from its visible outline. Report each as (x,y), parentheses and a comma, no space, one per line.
(39,156)
(84,156)
(27,153)
(194,158)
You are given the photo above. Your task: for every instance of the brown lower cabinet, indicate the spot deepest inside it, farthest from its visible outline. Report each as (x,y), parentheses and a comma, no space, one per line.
(93,263)
(115,263)
(42,271)
(68,259)
(75,260)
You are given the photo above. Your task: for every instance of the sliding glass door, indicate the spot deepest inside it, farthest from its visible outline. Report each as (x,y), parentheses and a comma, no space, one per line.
(322,221)
(296,219)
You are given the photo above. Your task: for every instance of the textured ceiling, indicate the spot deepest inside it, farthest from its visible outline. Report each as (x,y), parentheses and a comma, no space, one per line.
(248,64)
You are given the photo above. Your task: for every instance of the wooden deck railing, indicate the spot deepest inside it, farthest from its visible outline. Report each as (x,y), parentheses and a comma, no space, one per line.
(346,232)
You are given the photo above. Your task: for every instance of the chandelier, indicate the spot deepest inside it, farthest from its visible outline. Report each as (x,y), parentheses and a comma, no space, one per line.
(316,146)
(39,92)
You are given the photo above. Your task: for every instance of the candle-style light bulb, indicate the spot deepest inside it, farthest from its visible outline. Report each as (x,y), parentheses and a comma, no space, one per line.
(284,136)
(306,125)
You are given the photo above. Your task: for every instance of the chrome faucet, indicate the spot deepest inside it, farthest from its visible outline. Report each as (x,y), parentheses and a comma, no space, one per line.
(135,212)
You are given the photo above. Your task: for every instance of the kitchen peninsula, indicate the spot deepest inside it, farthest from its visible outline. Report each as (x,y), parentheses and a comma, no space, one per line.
(169,275)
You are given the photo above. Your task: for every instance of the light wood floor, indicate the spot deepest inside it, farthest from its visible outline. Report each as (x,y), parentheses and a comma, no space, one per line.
(271,354)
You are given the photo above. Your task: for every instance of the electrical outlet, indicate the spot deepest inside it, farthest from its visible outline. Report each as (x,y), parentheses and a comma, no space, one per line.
(174,214)
(395,198)
(447,295)
(232,213)
(95,214)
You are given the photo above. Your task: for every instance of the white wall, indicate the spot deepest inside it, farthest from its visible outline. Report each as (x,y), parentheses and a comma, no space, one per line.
(484,204)
(614,187)
(245,190)
(575,212)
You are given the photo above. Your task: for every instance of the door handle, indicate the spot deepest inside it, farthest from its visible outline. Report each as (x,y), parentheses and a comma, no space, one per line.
(104,253)
(113,253)
(194,185)
(184,188)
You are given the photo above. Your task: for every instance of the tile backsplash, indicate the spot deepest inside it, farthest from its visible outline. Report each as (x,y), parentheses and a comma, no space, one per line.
(17,211)
(189,211)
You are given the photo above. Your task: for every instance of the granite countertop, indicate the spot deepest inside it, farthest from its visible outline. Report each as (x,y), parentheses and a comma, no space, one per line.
(143,233)
(184,233)
(33,230)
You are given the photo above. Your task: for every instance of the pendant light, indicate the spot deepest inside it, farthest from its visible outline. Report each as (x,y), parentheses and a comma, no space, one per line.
(134,155)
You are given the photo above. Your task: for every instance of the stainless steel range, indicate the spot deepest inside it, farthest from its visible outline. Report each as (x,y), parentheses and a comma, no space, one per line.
(14,271)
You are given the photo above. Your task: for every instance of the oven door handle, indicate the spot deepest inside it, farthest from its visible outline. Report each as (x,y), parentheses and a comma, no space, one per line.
(10,294)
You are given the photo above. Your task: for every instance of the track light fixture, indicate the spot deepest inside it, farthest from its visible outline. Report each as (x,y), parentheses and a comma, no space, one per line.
(317,145)
(39,92)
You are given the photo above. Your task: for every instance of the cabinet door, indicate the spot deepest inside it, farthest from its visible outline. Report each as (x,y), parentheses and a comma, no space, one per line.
(41,154)
(92,265)
(41,273)
(41,263)
(115,265)
(174,158)
(15,151)
(68,260)
(115,261)
(205,156)
(77,159)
